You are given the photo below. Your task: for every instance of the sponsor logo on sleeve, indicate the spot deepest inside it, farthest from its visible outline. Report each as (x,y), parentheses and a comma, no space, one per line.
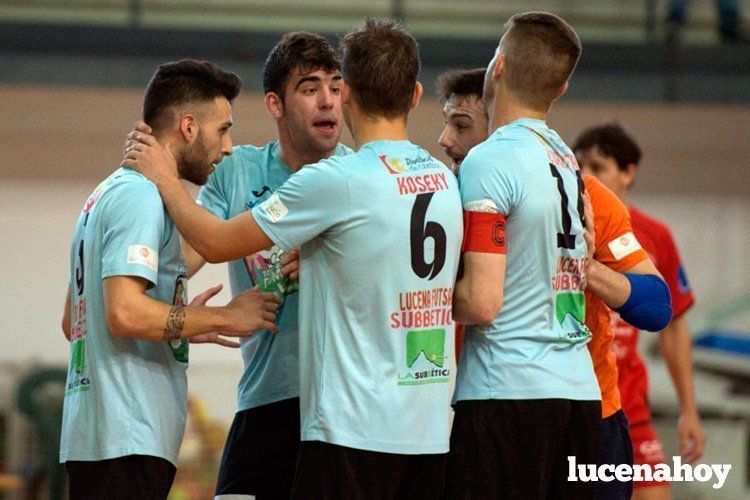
(624,245)
(144,256)
(274,208)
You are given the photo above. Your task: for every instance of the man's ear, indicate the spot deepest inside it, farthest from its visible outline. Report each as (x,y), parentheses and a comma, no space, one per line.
(346,94)
(499,66)
(629,174)
(274,105)
(189,127)
(562,91)
(418,89)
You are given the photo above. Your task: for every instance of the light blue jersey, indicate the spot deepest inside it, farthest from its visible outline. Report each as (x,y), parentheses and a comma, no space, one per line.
(380,233)
(536,347)
(123,396)
(241,181)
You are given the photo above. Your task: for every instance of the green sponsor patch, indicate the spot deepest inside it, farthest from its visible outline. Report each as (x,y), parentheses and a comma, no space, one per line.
(570,303)
(78,356)
(429,342)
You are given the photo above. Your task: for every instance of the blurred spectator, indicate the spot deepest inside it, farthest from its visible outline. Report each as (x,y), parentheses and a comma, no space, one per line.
(729,19)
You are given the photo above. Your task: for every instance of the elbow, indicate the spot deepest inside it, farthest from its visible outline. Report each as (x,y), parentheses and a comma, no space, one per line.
(487,313)
(649,306)
(66,327)
(213,258)
(121,323)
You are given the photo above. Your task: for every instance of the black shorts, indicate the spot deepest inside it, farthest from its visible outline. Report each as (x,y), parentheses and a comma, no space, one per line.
(261,451)
(123,478)
(518,449)
(329,471)
(615,448)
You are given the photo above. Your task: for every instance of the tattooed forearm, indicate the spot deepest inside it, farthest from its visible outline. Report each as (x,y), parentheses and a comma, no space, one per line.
(175,321)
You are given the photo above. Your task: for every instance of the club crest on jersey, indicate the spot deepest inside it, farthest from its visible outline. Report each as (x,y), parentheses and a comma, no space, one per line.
(393,165)
(624,245)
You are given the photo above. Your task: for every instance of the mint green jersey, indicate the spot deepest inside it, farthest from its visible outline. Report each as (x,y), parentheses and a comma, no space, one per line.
(380,233)
(536,347)
(123,396)
(241,181)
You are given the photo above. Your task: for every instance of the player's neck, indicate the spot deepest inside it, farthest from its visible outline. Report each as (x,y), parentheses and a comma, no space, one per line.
(172,142)
(295,160)
(368,129)
(507,111)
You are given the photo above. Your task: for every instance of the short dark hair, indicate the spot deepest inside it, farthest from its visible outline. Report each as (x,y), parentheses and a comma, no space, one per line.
(461,83)
(612,141)
(541,51)
(380,64)
(184,81)
(300,49)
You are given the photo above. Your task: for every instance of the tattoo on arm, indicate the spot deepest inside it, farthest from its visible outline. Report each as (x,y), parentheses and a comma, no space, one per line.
(175,322)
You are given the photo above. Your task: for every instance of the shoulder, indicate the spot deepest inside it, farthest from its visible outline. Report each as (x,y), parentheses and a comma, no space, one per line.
(127,193)
(129,184)
(343,150)
(493,155)
(246,157)
(602,199)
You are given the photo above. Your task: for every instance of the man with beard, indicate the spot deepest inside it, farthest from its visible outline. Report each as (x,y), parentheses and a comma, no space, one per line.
(380,231)
(126,314)
(464,113)
(302,85)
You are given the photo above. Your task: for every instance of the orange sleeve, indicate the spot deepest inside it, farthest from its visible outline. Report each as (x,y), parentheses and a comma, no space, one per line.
(616,245)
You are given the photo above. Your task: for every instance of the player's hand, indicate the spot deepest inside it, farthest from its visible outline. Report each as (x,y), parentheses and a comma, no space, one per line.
(211,337)
(145,155)
(290,264)
(139,127)
(692,437)
(589,235)
(251,311)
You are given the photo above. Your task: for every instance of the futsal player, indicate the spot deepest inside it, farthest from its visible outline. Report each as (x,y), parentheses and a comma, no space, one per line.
(465,113)
(526,394)
(380,233)
(302,86)
(128,319)
(613,156)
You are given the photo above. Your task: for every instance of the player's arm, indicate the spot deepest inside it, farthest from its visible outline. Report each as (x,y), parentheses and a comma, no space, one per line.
(676,347)
(66,316)
(478,296)
(130,313)
(621,273)
(193,259)
(215,239)
(487,200)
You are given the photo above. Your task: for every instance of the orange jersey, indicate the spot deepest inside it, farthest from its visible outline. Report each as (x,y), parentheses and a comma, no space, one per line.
(618,249)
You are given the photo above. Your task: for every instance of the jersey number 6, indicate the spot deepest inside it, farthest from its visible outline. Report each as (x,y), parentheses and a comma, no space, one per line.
(419,232)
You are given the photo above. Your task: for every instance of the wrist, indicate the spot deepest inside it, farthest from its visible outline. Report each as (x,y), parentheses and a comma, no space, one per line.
(688,411)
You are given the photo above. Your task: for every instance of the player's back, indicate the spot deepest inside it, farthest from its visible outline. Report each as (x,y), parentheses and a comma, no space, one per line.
(535,347)
(378,359)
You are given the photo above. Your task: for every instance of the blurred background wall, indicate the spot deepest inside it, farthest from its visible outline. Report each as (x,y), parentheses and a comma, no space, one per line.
(72,75)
